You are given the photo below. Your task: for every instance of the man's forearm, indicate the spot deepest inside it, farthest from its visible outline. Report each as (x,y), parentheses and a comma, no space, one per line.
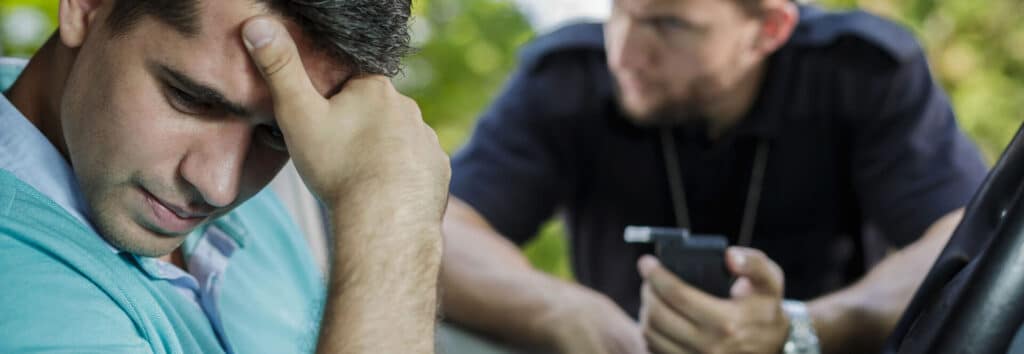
(859,318)
(382,296)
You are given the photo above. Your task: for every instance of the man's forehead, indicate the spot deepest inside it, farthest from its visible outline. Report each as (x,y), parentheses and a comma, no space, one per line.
(215,53)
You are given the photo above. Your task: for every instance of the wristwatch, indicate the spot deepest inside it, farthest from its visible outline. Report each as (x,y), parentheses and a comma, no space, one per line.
(802,337)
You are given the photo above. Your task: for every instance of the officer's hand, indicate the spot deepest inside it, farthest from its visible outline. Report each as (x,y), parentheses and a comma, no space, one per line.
(679,318)
(367,148)
(590,323)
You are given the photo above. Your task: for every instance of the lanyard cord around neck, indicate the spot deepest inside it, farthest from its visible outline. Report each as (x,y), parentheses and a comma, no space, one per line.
(675,182)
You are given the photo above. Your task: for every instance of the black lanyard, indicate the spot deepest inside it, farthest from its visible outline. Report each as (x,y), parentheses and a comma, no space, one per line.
(675,183)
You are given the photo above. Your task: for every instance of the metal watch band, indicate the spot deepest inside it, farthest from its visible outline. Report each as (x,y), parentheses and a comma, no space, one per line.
(802,337)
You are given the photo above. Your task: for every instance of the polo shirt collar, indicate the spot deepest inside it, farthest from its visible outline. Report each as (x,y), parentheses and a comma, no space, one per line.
(29,156)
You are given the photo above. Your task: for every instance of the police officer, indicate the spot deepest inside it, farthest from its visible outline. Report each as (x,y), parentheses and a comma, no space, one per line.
(789,129)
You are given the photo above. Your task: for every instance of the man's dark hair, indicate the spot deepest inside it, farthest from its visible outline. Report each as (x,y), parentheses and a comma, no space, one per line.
(370,35)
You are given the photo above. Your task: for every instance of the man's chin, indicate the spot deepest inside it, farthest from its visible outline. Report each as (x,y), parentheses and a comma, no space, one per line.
(143,242)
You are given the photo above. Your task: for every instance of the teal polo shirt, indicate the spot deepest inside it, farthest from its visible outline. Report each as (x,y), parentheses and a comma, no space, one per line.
(65,290)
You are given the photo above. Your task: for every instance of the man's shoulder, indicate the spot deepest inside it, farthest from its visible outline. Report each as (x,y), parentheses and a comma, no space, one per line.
(47,302)
(67,290)
(40,241)
(23,206)
(50,302)
(855,36)
(27,214)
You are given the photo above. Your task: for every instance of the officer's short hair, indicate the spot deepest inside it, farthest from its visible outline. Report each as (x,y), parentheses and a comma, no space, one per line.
(371,36)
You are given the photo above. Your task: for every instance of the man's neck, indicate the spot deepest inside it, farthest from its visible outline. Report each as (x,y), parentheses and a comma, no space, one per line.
(38,90)
(727,112)
(177,257)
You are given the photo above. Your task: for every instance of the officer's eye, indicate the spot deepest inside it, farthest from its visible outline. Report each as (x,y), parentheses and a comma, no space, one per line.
(668,24)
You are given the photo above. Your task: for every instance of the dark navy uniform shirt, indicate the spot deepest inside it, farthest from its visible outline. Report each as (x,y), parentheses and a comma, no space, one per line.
(861,136)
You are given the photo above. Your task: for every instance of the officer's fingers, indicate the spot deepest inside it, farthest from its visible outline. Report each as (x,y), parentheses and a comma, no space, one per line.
(277,58)
(765,277)
(700,307)
(658,317)
(741,288)
(658,343)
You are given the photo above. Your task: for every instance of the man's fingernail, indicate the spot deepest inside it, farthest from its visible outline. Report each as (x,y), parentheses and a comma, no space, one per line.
(646,264)
(258,33)
(738,258)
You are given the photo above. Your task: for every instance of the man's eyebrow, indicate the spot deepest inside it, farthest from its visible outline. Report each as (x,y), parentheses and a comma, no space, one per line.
(682,22)
(202,92)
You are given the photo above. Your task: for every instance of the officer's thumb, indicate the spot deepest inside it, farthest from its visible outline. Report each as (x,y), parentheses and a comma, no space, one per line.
(277,58)
(756,274)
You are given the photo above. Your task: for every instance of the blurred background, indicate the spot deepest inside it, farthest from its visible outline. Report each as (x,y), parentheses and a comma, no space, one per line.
(468,48)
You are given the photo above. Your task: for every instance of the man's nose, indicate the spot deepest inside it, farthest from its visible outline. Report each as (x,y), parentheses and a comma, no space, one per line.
(632,49)
(214,163)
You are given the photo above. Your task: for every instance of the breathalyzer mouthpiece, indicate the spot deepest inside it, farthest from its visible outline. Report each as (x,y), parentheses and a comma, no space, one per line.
(647,234)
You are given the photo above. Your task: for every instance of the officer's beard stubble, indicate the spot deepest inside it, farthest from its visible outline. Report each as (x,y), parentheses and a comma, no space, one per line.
(671,111)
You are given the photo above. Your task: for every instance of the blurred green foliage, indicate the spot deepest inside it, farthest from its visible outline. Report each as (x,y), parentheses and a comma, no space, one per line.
(468,47)
(976,49)
(25,24)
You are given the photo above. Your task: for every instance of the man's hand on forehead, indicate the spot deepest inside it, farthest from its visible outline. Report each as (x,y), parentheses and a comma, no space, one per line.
(367,129)
(368,155)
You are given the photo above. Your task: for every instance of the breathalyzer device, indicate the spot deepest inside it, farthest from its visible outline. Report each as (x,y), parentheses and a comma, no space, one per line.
(699,260)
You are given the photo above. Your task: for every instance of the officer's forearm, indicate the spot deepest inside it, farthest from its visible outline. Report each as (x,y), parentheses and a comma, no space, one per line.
(490,286)
(382,295)
(859,318)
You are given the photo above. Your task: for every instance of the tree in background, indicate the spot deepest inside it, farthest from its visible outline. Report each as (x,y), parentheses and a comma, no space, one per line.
(976,49)
(468,48)
(25,24)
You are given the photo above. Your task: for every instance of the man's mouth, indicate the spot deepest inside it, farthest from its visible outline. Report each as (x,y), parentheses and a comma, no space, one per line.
(172,219)
(636,86)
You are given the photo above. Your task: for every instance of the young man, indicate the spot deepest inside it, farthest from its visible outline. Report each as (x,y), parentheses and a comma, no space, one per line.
(788,129)
(135,146)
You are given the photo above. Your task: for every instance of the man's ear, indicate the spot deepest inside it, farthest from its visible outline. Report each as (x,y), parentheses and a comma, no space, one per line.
(76,19)
(777,24)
